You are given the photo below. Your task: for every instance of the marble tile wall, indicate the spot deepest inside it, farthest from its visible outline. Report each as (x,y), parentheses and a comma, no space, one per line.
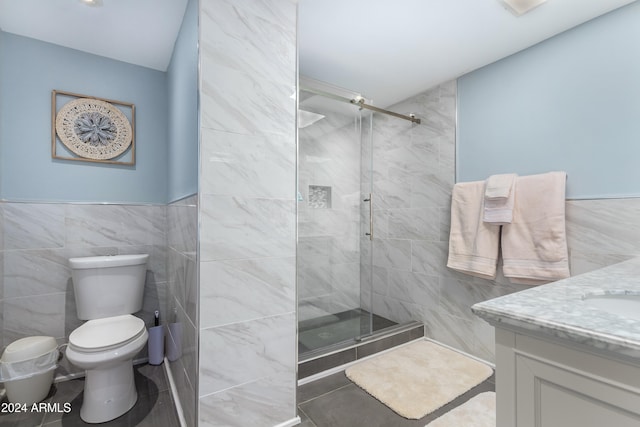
(37,239)
(328,236)
(599,233)
(182,302)
(247,329)
(414,172)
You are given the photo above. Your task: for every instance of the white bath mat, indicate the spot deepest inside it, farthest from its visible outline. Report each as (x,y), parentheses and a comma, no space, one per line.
(479,411)
(416,379)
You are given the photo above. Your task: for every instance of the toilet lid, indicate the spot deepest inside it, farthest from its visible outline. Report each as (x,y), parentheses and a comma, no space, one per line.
(102,334)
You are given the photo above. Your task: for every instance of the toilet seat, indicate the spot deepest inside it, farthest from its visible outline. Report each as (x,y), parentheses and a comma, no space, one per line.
(106,334)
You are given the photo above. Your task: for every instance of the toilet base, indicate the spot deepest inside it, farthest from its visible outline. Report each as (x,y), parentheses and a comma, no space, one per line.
(108,392)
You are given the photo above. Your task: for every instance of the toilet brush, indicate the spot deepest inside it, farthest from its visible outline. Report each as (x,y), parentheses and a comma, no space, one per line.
(156,341)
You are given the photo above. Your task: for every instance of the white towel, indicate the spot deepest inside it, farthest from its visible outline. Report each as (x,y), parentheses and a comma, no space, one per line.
(473,243)
(534,245)
(499,197)
(499,186)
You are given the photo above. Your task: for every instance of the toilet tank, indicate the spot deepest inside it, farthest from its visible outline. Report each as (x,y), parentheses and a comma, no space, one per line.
(107,286)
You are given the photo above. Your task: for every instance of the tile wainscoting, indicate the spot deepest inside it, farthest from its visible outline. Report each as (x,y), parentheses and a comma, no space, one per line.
(36,291)
(414,172)
(182,302)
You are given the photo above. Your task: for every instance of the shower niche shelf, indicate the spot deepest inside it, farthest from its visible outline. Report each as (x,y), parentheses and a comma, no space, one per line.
(319,197)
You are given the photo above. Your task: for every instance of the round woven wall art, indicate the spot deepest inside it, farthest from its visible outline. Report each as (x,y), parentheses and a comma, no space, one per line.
(93,129)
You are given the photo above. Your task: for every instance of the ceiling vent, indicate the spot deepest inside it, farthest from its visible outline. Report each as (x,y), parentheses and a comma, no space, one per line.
(92,3)
(520,7)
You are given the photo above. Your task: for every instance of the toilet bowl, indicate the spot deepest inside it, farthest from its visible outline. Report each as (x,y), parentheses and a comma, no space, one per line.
(105,348)
(108,289)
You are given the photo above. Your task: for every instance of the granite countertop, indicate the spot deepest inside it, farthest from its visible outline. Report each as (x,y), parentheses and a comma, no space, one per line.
(559,309)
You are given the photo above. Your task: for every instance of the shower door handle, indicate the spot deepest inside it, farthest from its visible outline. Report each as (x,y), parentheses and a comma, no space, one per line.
(370,200)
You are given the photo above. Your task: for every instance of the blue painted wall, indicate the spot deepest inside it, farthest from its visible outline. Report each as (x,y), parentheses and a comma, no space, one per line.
(29,71)
(569,103)
(182,80)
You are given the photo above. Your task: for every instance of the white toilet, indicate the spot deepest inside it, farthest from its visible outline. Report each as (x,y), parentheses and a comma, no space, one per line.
(108,289)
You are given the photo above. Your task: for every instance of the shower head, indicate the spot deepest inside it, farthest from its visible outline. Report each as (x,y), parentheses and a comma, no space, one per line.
(307,118)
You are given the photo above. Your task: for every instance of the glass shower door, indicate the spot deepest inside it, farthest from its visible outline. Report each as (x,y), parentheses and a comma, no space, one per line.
(334,252)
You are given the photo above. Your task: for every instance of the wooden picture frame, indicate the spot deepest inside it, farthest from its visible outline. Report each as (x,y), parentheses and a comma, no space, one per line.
(92,146)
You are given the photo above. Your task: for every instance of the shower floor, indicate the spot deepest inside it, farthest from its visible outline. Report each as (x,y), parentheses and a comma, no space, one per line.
(332,329)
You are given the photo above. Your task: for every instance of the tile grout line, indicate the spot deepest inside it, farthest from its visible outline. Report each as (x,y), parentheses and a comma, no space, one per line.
(326,393)
(306,415)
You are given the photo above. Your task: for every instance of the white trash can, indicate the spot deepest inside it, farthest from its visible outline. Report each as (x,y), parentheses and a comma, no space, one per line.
(27,367)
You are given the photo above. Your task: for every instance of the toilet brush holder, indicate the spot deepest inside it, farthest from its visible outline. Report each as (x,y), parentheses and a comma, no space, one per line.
(156,345)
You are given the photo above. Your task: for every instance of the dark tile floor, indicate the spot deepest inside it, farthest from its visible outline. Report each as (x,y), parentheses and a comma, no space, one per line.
(335,401)
(154,408)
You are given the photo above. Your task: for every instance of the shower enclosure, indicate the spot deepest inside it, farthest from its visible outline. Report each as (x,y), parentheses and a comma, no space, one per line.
(335,220)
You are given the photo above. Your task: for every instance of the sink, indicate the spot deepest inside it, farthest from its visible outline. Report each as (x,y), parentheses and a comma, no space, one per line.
(622,303)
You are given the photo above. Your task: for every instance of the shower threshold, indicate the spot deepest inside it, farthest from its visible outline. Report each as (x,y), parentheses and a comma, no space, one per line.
(325,358)
(323,332)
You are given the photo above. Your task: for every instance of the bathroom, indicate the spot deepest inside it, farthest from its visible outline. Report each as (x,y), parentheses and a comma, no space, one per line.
(236,300)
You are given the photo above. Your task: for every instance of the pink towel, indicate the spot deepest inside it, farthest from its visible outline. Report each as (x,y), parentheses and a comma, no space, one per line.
(473,244)
(534,245)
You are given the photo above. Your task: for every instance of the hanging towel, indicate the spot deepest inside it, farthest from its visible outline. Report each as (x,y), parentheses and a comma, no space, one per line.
(534,245)
(499,197)
(499,187)
(473,243)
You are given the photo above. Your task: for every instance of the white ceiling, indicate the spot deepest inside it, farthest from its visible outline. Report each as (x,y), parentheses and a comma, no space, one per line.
(387,50)
(140,32)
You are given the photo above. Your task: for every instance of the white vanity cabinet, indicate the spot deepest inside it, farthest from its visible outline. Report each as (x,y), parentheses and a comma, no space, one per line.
(562,361)
(550,383)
